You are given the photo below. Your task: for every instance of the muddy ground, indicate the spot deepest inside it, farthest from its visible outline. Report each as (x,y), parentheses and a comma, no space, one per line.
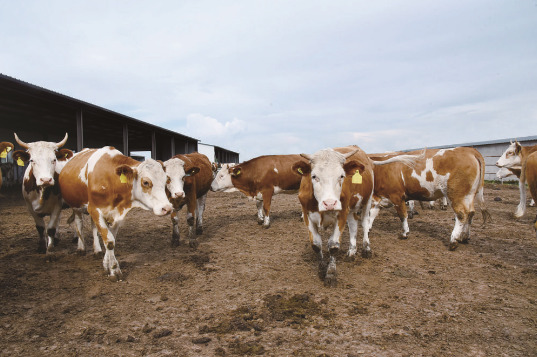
(251,291)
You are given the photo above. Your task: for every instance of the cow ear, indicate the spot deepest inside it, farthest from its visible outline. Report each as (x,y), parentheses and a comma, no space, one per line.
(235,171)
(125,173)
(302,168)
(352,166)
(21,157)
(64,154)
(518,147)
(161,163)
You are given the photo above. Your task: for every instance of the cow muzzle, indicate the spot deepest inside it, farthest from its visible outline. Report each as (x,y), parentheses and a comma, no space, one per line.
(45,181)
(178,195)
(163,210)
(330,205)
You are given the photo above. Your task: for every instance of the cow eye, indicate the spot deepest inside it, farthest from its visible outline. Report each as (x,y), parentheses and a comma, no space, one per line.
(315,178)
(146,183)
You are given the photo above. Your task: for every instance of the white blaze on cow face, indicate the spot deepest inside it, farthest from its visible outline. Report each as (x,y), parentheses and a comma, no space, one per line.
(511,157)
(222,181)
(327,176)
(149,187)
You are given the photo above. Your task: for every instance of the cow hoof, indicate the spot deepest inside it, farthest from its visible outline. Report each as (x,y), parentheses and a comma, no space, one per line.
(115,278)
(266,226)
(453,246)
(175,242)
(410,215)
(80,252)
(351,252)
(402,236)
(98,255)
(74,240)
(330,280)
(55,241)
(366,254)
(199,230)
(193,243)
(322,269)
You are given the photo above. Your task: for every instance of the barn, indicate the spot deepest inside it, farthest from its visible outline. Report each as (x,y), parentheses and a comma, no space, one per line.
(36,113)
(491,151)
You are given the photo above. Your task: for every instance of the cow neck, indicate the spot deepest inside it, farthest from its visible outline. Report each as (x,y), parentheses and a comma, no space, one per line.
(527,150)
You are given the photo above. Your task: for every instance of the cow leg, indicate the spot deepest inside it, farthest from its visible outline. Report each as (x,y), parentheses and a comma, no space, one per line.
(312,223)
(259,205)
(110,262)
(175,228)
(81,248)
(521,208)
(352,223)
(267,198)
(374,211)
(200,208)
(400,207)
(366,248)
(411,209)
(97,250)
(461,219)
(53,224)
(330,278)
(40,226)
(444,204)
(191,220)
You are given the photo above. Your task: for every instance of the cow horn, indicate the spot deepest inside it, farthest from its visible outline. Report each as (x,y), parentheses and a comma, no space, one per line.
(20,142)
(349,154)
(62,143)
(306,156)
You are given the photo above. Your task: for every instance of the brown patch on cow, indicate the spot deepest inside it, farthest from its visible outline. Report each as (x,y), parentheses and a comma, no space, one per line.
(29,183)
(147,185)
(429,176)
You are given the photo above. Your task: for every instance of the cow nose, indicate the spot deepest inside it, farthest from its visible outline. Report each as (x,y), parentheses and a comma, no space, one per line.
(166,210)
(329,204)
(178,194)
(46,180)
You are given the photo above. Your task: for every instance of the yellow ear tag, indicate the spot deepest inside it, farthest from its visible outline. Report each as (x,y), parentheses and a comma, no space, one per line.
(20,162)
(8,148)
(123,178)
(3,154)
(357,178)
(300,171)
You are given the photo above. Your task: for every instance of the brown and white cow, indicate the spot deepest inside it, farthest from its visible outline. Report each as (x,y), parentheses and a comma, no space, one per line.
(5,148)
(504,172)
(513,159)
(260,178)
(529,167)
(109,184)
(336,185)
(40,187)
(190,178)
(457,174)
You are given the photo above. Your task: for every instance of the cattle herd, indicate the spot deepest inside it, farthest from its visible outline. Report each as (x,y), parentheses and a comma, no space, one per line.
(336,187)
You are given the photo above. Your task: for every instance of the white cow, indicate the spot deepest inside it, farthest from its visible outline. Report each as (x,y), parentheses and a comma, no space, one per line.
(514,171)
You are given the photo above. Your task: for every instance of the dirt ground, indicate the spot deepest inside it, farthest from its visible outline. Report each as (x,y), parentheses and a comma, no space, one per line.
(251,291)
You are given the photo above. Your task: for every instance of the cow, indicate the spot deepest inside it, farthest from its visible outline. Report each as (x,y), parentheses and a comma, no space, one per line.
(457,174)
(260,178)
(190,177)
(40,188)
(5,147)
(108,185)
(513,158)
(529,166)
(336,185)
(504,172)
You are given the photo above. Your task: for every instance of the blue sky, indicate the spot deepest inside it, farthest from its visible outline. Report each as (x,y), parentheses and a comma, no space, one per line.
(278,77)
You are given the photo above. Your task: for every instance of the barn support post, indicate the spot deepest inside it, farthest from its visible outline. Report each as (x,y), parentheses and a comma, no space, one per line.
(126,140)
(172,147)
(153,145)
(79,130)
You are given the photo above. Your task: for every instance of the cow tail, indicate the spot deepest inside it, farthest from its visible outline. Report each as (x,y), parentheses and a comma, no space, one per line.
(479,194)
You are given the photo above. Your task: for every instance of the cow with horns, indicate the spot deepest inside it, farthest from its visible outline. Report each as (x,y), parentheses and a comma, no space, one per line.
(40,187)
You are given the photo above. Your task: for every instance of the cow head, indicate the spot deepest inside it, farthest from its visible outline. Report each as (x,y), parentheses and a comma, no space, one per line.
(511,157)
(328,169)
(148,185)
(43,158)
(504,172)
(222,180)
(177,172)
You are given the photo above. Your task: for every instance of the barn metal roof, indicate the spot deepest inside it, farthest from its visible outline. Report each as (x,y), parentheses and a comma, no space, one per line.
(483,143)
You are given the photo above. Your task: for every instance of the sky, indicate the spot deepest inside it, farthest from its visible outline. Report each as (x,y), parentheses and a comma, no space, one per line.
(262,77)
